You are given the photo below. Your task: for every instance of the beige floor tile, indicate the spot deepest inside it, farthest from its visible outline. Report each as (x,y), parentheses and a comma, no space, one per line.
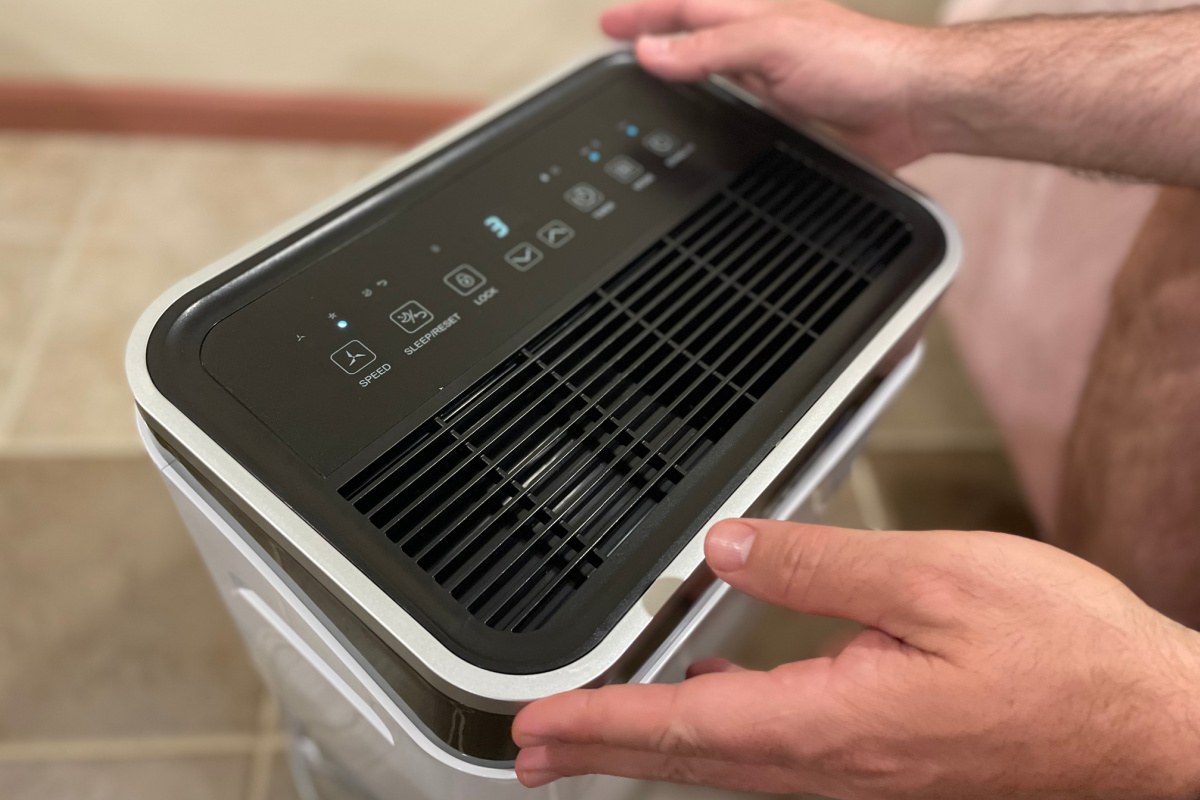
(956,491)
(281,786)
(42,177)
(940,408)
(24,274)
(173,207)
(79,394)
(190,779)
(111,625)
(193,201)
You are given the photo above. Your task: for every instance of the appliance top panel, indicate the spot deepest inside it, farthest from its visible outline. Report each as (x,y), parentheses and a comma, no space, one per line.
(510,382)
(404,301)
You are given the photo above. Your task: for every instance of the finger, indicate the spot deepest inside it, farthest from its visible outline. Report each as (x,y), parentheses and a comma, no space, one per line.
(672,16)
(729,715)
(752,83)
(901,583)
(752,46)
(710,666)
(537,766)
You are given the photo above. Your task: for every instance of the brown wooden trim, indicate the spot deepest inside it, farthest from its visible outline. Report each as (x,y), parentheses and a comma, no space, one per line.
(195,112)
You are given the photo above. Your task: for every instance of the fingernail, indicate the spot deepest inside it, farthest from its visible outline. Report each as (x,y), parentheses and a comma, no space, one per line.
(533,767)
(654,45)
(533,778)
(728,545)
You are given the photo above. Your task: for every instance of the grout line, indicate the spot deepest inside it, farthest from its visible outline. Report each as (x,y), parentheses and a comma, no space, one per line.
(137,748)
(977,440)
(62,269)
(258,782)
(871,504)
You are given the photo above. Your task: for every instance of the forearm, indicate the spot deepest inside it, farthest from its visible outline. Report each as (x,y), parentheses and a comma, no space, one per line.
(1117,94)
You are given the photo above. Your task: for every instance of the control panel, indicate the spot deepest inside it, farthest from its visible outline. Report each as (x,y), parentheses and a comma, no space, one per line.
(392,311)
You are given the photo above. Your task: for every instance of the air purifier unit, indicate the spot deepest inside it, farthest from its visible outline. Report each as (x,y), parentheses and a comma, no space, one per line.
(451,442)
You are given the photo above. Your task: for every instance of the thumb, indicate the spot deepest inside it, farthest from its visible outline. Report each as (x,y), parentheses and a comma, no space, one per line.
(899,583)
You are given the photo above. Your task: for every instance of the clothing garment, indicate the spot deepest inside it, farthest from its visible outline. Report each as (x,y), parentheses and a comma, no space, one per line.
(1042,246)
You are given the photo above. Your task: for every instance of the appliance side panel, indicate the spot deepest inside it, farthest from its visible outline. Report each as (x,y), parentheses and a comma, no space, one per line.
(283,650)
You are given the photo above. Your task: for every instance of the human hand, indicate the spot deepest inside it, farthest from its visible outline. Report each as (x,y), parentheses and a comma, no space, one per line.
(810,59)
(991,667)
(1100,93)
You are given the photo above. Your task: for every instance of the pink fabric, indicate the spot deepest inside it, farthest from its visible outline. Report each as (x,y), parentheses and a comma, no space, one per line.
(1042,249)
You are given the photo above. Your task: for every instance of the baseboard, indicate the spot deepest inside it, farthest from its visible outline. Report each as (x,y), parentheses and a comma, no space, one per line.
(195,112)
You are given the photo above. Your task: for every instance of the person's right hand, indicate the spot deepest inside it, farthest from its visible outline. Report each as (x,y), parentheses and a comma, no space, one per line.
(809,59)
(992,667)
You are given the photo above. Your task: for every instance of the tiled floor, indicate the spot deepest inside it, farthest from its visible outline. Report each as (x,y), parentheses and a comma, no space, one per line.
(120,674)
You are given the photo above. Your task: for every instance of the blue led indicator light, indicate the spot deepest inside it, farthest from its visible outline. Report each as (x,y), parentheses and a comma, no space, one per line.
(593,156)
(342,323)
(631,130)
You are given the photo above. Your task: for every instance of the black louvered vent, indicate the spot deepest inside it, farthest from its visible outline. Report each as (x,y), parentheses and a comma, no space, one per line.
(518,491)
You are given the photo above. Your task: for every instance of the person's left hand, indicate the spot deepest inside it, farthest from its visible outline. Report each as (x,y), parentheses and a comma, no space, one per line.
(863,78)
(991,667)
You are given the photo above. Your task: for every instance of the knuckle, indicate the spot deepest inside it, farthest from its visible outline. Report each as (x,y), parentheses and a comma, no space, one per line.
(862,754)
(678,739)
(941,585)
(928,583)
(874,763)
(799,560)
(678,736)
(867,765)
(592,710)
(680,770)
(701,49)
(699,43)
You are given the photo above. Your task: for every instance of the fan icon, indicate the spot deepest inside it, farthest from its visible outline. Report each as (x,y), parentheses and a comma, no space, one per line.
(353,357)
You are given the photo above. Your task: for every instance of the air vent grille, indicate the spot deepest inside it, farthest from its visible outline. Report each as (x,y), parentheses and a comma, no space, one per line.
(528,483)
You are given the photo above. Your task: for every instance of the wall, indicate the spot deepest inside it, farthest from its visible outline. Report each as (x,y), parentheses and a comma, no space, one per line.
(459,47)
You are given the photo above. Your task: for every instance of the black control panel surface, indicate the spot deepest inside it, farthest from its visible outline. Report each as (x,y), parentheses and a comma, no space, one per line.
(665,276)
(387,316)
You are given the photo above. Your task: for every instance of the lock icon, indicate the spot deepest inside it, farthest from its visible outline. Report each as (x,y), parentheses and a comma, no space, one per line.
(464,279)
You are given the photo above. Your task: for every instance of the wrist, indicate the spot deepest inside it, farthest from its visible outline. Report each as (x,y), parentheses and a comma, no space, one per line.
(949,68)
